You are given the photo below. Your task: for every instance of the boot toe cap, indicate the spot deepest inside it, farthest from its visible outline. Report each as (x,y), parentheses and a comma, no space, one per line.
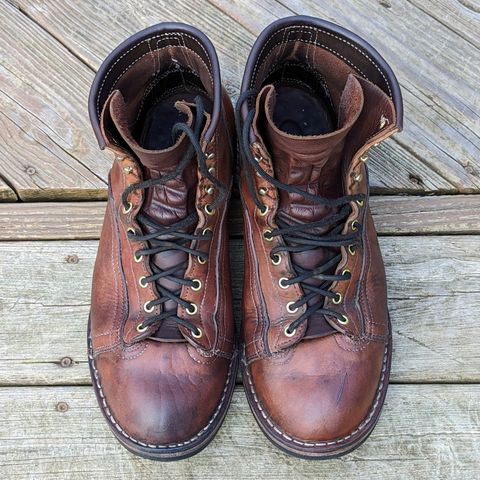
(161,401)
(321,393)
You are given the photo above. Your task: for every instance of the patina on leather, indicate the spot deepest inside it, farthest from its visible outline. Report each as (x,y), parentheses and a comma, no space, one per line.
(317,343)
(161,337)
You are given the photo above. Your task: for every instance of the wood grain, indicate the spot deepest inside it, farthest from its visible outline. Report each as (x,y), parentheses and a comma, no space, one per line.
(424,432)
(6,193)
(398,215)
(47,149)
(433,296)
(440,148)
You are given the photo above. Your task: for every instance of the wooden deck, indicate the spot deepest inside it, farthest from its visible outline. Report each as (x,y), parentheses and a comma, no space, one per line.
(426,207)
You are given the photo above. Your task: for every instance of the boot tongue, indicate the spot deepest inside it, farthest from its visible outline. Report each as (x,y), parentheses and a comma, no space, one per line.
(312,163)
(167,203)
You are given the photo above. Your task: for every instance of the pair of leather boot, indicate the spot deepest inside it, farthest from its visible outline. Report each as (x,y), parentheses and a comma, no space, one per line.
(316,343)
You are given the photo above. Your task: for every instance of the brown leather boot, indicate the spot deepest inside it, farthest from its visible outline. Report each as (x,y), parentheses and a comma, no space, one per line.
(161,336)
(315,98)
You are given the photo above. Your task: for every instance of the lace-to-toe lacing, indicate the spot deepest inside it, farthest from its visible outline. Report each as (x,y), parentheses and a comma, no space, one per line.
(303,236)
(162,238)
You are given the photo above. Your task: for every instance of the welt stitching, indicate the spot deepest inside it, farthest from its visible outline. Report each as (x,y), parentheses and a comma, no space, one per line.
(163,35)
(171,445)
(333,442)
(301,30)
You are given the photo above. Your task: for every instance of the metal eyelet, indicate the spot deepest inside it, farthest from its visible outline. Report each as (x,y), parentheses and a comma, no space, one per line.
(263,210)
(211,170)
(192,309)
(198,285)
(137,259)
(268,238)
(262,191)
(206,230)
(290,309)
(210,189)
(128,208)
(141,328)
(346,271)
(199,334)
(141,282)
(288,332)
(344,320)
(147,308)
(208,209)
(364,158)
(360,203)
(201,261)
(131,230)
(356,176)
(351,250)
(210,156)
(355,225)
(338,298)
(281,284)
(276,259)
(383,122)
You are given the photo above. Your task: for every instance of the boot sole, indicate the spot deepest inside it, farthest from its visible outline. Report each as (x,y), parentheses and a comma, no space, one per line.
(166,453)
(328,449)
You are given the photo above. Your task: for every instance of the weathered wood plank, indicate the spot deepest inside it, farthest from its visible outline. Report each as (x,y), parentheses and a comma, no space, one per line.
(397,215)
(6,193)
(47,150)
(434,298)
(425,432)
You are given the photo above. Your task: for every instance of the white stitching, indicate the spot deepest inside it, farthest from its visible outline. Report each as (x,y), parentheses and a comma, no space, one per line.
(171,445)
(175,35)
(300,30)
(333,442)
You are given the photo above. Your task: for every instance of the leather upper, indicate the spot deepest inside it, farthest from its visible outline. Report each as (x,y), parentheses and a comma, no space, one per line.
(161,385)
(321,382)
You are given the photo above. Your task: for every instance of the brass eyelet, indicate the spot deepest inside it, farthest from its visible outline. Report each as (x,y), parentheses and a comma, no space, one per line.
(268,238)
(206,230)
(128,208)
(383,122)
(192,309)
(199,334)
(148,309)
(360,203)
(290,309)
(137,259)
(258,159)
(198,285)
(355,225)
(208,209)
(281,283)
(201,261)
(344,320)
(262,191)
(338,298)
(211,170)
(276,259)
(364,158)
(351,250)
(141,328)
(131,230)
(142,282)
(210,156)
(210,189)
(288,332)
(346,271)
(263,210)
